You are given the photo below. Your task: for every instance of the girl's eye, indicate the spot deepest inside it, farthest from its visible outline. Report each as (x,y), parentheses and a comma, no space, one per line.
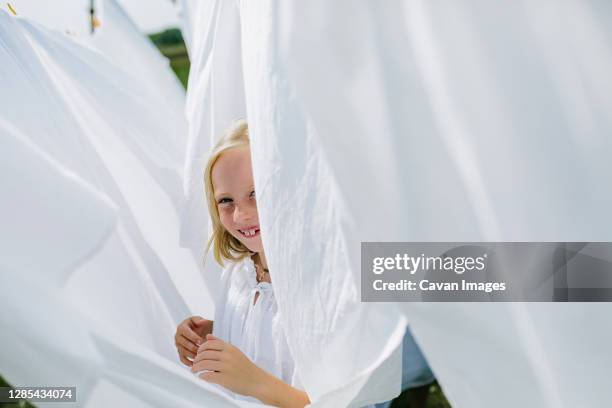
(252,194)
(224,201)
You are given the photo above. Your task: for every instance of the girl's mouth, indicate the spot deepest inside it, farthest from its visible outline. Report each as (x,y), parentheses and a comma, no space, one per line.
(250,232)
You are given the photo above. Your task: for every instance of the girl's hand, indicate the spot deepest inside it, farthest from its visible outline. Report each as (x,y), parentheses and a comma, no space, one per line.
(228,367)
(189,336)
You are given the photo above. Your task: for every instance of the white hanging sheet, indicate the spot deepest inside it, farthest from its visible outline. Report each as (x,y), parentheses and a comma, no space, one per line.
(466,121)
(421,121)
(215,97)
(410,121)
(91,291)
(120,40)
(337,341)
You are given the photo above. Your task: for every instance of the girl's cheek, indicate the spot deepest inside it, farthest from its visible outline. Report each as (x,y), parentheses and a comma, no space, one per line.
(253,207)
(226,217)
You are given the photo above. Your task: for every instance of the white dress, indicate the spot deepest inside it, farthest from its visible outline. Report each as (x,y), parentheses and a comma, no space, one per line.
(254,328)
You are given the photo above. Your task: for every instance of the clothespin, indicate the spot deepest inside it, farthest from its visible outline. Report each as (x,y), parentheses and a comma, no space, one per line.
(11,9)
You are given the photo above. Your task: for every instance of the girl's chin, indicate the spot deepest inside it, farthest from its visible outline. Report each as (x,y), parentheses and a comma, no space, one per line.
(253,245)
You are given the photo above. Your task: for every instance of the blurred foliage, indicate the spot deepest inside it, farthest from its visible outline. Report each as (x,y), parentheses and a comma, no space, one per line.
(436,397)
(426,396)
(20,404)
(170,43)
(171,36)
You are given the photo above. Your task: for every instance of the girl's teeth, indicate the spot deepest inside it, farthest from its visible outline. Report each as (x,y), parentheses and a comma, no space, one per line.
(249,233)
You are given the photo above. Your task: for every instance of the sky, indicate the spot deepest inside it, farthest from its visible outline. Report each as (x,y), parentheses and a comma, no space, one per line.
(150,15)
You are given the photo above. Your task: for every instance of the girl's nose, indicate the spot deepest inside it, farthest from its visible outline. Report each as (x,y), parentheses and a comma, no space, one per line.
(243,214)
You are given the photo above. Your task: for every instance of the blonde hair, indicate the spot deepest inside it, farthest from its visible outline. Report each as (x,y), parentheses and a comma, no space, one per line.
(226,246)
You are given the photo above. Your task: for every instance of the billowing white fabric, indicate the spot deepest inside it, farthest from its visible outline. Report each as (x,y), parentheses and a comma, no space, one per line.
(335,338)
(89,293)
(470,121)
(506,109)
(319,306)
(54,85)
(120,40)
(215,97)
(72,16)
(31,180)
(64,79)
(66,16)
(46,340)
(252,325)
(188,12)
(420,121)
(404,121)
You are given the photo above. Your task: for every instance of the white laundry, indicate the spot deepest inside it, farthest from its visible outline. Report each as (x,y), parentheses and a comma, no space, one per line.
(407,121)
(109,306)
(423,121)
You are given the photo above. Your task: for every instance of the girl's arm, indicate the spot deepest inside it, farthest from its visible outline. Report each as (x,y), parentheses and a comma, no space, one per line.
(226,365)
(273,391)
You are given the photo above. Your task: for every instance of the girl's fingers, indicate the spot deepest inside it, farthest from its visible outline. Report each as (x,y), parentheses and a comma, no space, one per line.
(208,355)
(184,342)
(211,365)
(185,361)
(195,320)
(211,377)
(212,345)
(191,335)
(187,353)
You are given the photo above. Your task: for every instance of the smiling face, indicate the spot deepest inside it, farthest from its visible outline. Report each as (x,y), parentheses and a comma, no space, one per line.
(234,192)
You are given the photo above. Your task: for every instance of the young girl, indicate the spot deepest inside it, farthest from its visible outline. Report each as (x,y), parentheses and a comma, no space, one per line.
(247,352)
